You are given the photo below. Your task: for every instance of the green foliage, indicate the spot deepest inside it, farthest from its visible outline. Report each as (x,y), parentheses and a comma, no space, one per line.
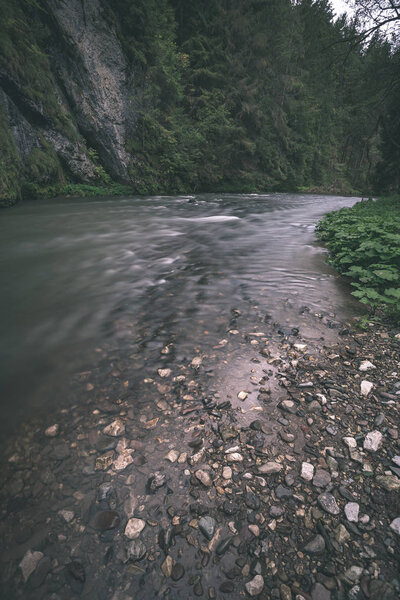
(364,243)
(10,164)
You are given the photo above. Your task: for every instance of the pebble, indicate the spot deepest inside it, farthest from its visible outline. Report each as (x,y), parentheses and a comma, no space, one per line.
(395,525)
(269,468)
(207,526)
(319,592)
(321,478)
(283,492)
(351,511)
(234,457)
(328,503)
(255,586)
(388,482)
(307,471)
(52,431)
(204,477)
(124,460)
(177,572)
(106,519)
(67,515)
(366,365)
(133,528)
(285,592)
(172,456)
(350,442)
(366,387)
(115,429)
(164,372)
(242,395)
(316,545)
(136,550)
(167,565)
(373,441)
(155,481)
(227,473)
(341,534)
(29,563)
(396,460)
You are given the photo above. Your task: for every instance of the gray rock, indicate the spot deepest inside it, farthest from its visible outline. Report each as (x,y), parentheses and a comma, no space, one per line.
(351,510)
(373,441)
(207,526)
(270,468)
(255,586)
(319,592)
(283,492)
(395,525)
(316,545)
(204,477)
(135,550)
(328,503)
(307,471)
(29,563)
(321,478)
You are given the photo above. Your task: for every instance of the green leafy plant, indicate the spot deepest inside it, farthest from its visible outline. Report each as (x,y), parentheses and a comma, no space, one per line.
(364,244)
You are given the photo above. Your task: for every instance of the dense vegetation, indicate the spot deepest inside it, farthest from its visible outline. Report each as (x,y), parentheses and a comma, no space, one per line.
(364,242)
(244,95)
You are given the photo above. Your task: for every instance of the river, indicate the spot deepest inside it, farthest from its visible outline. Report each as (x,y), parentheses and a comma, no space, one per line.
(135,274)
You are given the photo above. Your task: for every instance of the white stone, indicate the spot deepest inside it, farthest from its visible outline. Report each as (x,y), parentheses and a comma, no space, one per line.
(373,441)
(395,525)
(123,460)
(255,586)
(351,511)
(133,528)
(366,387)
(269,468)
(227,473)
(67,515)
(242,395)
(300,347)
(115,429)
(196,362)
(307,471)
(396,460)
(255,530)
(172,456)
(204,477)
(29,563)
(52,431)
(350,442)
(366,365)
(234,457)
(164,372)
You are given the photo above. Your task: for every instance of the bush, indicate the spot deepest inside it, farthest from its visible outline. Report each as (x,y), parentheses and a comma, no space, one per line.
(364,244)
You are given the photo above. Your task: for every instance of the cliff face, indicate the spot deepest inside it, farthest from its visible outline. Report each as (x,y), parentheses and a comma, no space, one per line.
(65,95)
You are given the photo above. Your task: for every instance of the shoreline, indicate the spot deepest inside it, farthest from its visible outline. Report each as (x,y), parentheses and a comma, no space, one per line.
(183,488)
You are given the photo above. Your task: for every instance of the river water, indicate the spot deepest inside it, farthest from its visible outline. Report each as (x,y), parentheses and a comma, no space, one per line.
(83,280)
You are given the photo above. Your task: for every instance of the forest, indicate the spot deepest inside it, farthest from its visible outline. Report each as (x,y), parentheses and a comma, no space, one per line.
(223,96)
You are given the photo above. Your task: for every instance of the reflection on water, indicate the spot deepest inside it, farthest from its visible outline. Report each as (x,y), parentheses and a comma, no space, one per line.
(80,273)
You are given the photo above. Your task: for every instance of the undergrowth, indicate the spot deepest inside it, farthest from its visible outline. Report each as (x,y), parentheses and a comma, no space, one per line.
(364,244)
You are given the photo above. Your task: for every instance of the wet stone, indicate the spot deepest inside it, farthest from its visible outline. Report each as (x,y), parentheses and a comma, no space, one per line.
(351,511)
(373,441)
(133,528)
(319,592)
(40,573)
(207,526)
(283,492)
(177,572)
(76,571)
(227,587)
(135,551)
(328,503)
(255,586)
(321,478)
(106,519)
(29,563)
(223,545)
(316,545)
(156,481)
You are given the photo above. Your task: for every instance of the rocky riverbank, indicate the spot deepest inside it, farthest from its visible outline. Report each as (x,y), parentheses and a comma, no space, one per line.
(278,479)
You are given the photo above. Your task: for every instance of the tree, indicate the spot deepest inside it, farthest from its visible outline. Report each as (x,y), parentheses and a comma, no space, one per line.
(377,15)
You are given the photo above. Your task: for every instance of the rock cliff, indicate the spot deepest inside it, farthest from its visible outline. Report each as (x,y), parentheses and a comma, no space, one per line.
(65,95)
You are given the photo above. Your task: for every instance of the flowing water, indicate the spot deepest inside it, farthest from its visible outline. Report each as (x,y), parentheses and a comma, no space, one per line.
(85,278)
